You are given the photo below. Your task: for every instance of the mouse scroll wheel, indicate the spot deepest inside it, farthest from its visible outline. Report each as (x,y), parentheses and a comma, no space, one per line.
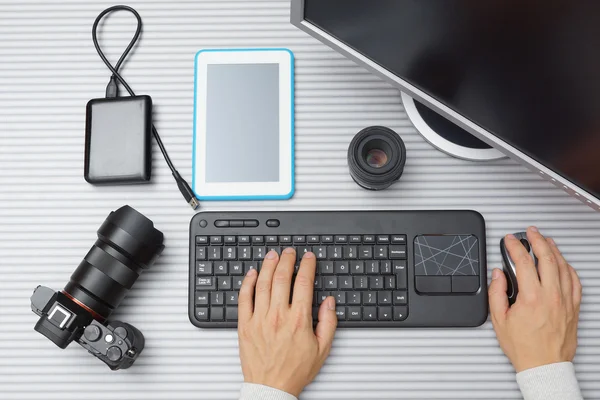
(525,244)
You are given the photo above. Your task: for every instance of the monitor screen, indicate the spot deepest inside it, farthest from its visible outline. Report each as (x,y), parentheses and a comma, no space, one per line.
(527,71)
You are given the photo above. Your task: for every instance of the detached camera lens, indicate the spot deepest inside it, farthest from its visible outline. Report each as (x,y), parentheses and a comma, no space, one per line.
(376,157)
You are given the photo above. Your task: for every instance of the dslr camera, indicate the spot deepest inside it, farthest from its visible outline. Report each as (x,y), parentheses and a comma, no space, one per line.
(127,244)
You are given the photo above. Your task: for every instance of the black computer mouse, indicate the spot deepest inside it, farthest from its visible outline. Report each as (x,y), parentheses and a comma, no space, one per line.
(509,266)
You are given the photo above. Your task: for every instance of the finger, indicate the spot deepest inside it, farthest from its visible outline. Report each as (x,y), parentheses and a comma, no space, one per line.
(282,280)
(325,330)
(245,299)
(304,286)
(577,288)
(566,284)
(547,265)
(527,277)
(265,282)
(497,296)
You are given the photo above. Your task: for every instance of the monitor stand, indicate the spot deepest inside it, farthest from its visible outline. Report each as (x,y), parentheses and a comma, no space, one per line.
(447,136)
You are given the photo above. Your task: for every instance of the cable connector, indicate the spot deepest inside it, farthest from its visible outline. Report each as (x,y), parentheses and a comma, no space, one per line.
(186,191)
(112,89)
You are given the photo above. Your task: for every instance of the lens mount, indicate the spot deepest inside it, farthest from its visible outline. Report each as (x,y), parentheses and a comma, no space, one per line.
(376,157)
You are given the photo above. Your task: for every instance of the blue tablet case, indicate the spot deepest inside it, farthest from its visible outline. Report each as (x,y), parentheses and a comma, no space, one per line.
(194,166)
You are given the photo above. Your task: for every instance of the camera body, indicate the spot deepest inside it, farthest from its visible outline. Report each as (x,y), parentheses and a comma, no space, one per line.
(127,244)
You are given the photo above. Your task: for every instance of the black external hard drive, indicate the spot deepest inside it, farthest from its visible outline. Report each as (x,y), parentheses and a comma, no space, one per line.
(118,140)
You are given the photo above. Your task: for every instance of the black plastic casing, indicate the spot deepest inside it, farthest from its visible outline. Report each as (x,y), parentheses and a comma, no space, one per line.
(118,140)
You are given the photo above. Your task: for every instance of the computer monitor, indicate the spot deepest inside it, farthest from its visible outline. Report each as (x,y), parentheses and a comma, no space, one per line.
(521,75)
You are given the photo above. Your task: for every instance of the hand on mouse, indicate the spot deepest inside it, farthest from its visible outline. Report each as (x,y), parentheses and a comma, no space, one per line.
(541,327)
(278,346)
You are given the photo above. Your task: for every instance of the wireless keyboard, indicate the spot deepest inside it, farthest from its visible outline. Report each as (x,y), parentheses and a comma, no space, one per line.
(384,268)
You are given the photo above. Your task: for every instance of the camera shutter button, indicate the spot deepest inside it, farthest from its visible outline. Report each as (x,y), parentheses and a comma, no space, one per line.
(92,333)
(114,353)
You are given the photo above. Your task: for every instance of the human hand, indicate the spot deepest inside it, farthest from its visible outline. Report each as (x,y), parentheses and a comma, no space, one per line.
(278,347)
(541,327)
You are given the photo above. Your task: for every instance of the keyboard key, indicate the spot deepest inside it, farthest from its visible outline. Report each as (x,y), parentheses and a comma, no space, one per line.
(236,223)
(399,268)
(312,239)
(345,282)
(341,313)
(204,268)
(231,298)
(433,284)
(201,298)
(353,297)
(383,239)
(216,240)
(372,267)
(299,239)
(341,239)
(230,240)
(368,239)
(355,239)
(389,282)
(385,313)
(318,282)
(369,298)
(334,252)
(398,252)
(350,252)
(301,251)
(341,267)
(322,296)
(401,281)
(276,249)
(214,253)
(243,239)
(237,282)
(221,268)
(231,313)
(216,313)
(370,313)
(201,239)
(400,313)
(200,253)
(353,313)
(258,240)
(357,267)
(398,239)
(224,283)
(220,223)
(248,265)
(361,282)
(229,253)
(325,267)
(201,313)
(330,282)
(272,240)
(400,298)
(340,297)
(206,283)
(245,253)
(258,253)
(365,252)
(286,239)
(216,298)
(327,239)
(465,284)
(380,252)
(320,252)
(384,298)
(376,282)
(236,268)
(385,267)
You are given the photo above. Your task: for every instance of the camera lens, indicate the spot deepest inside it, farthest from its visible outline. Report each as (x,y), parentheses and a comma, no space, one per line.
(376,157)
(127,244)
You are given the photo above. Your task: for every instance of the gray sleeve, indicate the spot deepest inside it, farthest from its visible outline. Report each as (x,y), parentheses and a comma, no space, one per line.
(550,382)
(252,391)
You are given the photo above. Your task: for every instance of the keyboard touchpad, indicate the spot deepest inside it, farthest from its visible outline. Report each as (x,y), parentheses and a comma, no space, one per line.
(446,264)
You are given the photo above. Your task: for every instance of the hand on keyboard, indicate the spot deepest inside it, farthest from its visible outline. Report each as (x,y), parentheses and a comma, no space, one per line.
(278,347)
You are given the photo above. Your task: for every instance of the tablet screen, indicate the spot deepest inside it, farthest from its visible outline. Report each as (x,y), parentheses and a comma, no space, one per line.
(242,123)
